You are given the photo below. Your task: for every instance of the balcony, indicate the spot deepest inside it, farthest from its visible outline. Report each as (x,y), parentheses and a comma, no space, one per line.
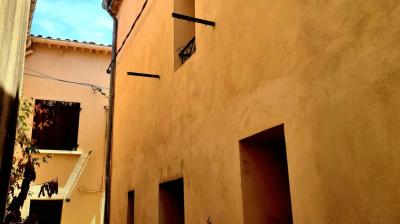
(188,50)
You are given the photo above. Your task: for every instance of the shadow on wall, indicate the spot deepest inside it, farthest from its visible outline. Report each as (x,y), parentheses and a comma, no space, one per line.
(8,119)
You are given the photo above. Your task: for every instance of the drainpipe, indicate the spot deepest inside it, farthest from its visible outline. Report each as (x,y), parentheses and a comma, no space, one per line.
(107,6)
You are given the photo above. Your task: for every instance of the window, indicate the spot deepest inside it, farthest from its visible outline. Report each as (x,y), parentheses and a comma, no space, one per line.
(55,125)
(45,211)
(171,203)
(265,179)
(131,207)
(184,32)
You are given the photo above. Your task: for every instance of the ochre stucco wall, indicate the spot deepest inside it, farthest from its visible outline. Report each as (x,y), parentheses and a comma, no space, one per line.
(328,70)
(79,66)
(13,29)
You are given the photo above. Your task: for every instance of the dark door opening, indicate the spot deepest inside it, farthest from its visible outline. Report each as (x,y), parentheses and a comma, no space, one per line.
(171,204)
(46,211)
(131,208)
(265,179)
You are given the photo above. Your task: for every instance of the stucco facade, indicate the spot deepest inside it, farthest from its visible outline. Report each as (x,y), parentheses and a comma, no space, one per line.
(14,23)
(328,71)
(78,63)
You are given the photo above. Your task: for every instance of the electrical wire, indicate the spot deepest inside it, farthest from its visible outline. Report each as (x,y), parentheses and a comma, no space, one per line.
(127,36)
(44,76)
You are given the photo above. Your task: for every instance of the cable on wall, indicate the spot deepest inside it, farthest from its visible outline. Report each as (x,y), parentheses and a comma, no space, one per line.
(44,76)
(126,37)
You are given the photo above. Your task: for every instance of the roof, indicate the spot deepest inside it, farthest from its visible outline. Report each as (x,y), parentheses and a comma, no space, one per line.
(31,11)
(70,44)
(115,4)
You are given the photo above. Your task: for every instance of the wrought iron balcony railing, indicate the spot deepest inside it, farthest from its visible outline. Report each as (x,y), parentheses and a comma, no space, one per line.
(188,50)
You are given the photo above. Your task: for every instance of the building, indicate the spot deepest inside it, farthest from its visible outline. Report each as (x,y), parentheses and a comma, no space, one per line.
(283,112)
(15,20)
(68,78)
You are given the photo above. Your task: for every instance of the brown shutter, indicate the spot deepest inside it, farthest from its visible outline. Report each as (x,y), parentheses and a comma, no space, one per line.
(56,125)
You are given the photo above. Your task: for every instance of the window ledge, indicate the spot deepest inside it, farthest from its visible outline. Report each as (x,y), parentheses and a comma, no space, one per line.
(60,152)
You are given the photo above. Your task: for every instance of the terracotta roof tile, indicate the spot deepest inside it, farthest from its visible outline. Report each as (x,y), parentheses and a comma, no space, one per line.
(68,40)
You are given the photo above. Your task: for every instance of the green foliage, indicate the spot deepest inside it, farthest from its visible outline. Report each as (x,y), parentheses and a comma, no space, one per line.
(26,158)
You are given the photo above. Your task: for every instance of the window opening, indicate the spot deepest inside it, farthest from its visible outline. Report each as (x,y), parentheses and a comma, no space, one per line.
(184,32)
(265,179)
(55,125)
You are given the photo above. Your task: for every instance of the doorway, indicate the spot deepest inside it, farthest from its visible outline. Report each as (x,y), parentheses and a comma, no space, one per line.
(265,179)
(46,211)
(172,206)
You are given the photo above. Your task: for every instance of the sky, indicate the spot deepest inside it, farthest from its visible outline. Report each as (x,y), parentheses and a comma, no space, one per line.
(82,20)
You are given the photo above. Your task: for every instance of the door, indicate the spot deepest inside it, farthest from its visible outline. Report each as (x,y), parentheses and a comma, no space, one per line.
(46,211)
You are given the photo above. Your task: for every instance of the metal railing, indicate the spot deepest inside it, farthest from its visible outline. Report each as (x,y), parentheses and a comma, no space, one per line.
(188,50)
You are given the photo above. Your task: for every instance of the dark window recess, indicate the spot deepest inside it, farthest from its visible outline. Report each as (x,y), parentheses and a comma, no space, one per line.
(45,211)
(188,50)
(171,203)
(55,125)
(131,207)
(184,32)
(265,179)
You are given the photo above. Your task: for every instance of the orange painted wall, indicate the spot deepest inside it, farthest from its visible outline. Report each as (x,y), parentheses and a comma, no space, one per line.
(327,70)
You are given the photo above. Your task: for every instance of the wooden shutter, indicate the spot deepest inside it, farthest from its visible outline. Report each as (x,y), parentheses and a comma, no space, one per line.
(56,125)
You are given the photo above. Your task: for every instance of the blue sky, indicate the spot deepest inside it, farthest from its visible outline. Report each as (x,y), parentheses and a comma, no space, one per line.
(82,20)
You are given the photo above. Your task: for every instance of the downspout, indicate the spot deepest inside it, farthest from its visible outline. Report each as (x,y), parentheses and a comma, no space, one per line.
(107,6)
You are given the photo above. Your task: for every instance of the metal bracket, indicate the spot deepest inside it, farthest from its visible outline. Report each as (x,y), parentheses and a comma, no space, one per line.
(144,75)
(192,19)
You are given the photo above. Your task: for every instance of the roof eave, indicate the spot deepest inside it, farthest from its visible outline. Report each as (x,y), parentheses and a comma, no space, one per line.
(70,44)
(115,4)
(31,12)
